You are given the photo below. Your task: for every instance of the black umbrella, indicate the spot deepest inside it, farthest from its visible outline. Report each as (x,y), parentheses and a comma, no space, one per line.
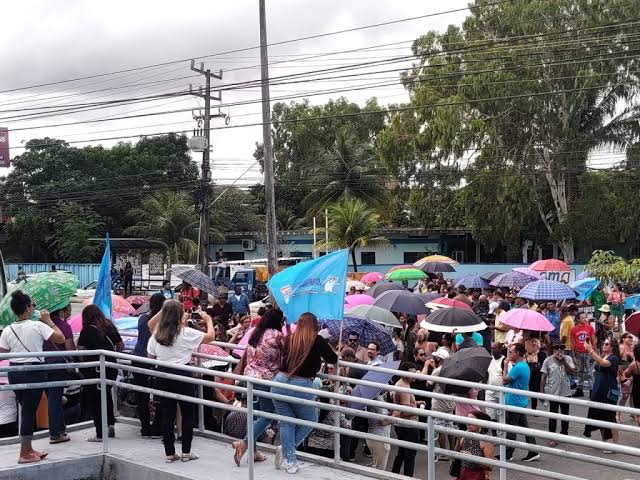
(437,267)
(429,297)
(449,320)
(379,288)
(401,301)
(469,364)
(488,276)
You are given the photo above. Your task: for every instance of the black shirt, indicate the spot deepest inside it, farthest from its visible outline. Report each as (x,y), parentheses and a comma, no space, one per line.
(311,365)
(93,339)
(223,312)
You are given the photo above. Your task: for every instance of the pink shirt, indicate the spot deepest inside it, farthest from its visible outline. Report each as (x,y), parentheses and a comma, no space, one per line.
(264,361)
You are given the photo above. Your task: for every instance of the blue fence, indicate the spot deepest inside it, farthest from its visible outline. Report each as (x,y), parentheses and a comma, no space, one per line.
(86,272)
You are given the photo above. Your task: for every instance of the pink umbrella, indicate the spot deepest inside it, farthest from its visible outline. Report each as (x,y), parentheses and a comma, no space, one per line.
(528,272)
(138,299)
(372,277)
(359,299)
(76,321)
(526,319)
(245,339)
(450,302)
(118,305)
(550,265)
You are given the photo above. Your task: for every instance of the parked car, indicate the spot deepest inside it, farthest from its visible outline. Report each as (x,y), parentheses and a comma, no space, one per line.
(88,291)
(255,306)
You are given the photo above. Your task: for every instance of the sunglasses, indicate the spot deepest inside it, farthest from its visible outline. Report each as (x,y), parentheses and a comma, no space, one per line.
(606,343)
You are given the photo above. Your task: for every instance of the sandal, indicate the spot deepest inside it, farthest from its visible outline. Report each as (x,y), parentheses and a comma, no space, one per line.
(240,450)
(31,458)
(42,455)
(186,457)
(259,457)
(172,458)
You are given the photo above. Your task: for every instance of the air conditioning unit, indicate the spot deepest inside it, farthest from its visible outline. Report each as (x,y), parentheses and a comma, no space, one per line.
(248,244)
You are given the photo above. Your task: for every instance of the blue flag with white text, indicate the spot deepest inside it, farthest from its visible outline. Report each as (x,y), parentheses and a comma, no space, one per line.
(102,298)
(316,286)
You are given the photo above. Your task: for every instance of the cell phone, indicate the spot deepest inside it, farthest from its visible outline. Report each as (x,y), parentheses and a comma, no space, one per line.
(196,316)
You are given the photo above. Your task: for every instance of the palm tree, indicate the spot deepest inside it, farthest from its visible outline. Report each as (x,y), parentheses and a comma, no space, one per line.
(287,220)
(351,225)
(172,218)
(346,170)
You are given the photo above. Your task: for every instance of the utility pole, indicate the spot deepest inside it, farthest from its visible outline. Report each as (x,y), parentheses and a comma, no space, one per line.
(270,200)
(206,187)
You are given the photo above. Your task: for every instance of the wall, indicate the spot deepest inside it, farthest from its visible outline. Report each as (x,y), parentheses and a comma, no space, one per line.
(86,272)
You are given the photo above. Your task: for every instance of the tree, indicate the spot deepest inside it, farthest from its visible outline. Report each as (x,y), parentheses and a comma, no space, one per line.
(73,226)
(171,218)
(608,267)
(233,210)
(533,86)
(352,224)
(286,220)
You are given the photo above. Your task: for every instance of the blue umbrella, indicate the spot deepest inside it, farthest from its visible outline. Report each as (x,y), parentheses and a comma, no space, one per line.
(511,280)
(126,323)
(472,281)
(632,302)
(547,290)
(367,392)
(366,329)
(583,275)
(584,287)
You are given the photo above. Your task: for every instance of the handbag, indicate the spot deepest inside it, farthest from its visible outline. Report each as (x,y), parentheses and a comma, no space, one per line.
(613,395)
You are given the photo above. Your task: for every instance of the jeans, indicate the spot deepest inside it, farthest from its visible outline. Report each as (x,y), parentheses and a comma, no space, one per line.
(169,407)
(293,435)
(28,399)
(260,424)
(583,363)
(518,420)
(92,393)
(142,405)
(406,456)
(57,426)
(128,285)
(564,410)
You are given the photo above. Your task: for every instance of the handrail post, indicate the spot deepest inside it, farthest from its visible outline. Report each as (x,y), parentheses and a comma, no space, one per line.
(336,421)
(431,452)
(103,404)
(200,397)
(250,441)
(502,434)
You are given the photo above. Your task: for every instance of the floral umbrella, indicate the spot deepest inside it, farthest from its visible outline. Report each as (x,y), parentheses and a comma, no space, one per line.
(49,291)
(118,305)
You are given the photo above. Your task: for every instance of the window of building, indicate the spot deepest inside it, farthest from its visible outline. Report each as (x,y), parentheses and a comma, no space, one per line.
(458,256)
(412,257)
(368,258)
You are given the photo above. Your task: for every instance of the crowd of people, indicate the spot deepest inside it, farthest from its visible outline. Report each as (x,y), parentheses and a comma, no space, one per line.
(582,355)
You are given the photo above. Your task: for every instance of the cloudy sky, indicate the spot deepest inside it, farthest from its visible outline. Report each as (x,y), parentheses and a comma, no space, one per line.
(54,41)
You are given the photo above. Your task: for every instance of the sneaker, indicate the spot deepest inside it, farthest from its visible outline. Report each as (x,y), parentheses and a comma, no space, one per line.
(279,457)
(61,439)
(291,467)
(94,439)
(531,456)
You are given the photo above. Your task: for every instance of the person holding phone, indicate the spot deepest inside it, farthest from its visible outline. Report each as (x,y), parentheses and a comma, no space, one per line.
(580,335)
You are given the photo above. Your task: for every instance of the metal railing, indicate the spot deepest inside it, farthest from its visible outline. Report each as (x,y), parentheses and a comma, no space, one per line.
(123,362)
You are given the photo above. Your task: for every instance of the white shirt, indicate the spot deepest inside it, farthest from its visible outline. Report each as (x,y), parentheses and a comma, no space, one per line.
(25,336)
(8,407)
(187,340)
(495,371)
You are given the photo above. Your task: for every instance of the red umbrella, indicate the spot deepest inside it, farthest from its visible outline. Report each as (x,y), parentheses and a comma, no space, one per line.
(632,324)
(450,302)
(550,265)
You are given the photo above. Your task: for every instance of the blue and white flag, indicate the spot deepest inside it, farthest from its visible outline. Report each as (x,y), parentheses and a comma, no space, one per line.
(102,298)
(316,286)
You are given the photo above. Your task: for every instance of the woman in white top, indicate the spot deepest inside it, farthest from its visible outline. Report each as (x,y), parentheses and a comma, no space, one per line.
(172,341)
(24,335)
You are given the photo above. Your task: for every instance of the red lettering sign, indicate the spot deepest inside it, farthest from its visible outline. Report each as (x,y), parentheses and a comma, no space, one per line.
(5,160)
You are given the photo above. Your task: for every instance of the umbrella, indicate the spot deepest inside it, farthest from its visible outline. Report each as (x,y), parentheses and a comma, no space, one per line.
(375,314)
(632,324)
(358,299)
(399,267)
(584,274)
(472,281)
(379,288)
(632,302)
(138,299)
(547,290)
(528,272)
(526,319)
(428,297)
(75,322)
(511,280)
(372,277)
(584,287)
(216,351)
(406,274)
(550,265)
(198,280)
(369,393)
(435,258)
(451,302)
(437,267)
(488,276)
(470,364)
(355,283)
(49,291)
(118,305)
(401,301)
(449,320)
(366,329)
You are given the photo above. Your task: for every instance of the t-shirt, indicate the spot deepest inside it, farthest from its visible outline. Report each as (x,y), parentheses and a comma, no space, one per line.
(558,380)
(579,334)
(565,331)
(554,318)
(519,375)
(180,351)
(475,336)
(25,336)
(143,335)
(8,407)
(187,295)
(93,339)
(264,360)
(498,335)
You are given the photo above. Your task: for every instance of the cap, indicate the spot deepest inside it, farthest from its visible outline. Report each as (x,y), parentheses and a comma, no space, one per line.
(605,309)
(441,353)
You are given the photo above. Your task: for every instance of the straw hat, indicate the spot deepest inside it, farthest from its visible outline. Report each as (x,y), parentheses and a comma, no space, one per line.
(605,309)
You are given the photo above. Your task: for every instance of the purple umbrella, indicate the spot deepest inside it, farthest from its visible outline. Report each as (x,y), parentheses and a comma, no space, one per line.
(583,275)
(511,280)
(367,392)
(528,272)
